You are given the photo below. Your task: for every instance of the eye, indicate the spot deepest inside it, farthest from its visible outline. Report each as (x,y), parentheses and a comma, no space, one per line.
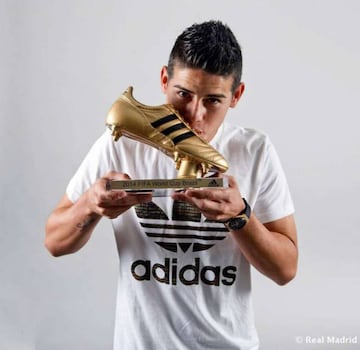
(213,101)
(183,94)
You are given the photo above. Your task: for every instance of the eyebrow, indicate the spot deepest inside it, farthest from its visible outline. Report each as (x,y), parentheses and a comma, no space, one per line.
(191,92)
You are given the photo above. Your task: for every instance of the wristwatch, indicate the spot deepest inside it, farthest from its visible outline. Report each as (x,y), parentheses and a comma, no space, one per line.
(239,221)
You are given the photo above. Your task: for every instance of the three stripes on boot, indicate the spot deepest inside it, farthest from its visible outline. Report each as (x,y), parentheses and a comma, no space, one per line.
(178,126)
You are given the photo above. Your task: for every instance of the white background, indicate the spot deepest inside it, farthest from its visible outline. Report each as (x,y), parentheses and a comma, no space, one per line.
(63,63)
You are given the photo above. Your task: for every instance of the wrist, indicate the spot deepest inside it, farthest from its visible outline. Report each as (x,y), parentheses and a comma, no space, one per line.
(87,208)
(239,221)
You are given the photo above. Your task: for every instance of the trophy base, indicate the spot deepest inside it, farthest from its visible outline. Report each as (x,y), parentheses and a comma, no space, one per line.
(161,188)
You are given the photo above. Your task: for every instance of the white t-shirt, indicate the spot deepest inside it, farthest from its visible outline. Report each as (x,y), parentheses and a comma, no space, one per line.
(183,281)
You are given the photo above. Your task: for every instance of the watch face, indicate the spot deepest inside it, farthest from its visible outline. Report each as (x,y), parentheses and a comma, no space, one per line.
(237,223)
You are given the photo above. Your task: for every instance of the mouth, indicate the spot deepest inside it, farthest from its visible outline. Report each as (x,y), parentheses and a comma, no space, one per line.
(202,134)
(198,131)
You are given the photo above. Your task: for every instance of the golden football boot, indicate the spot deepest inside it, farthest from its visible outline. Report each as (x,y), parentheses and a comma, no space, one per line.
(163,128)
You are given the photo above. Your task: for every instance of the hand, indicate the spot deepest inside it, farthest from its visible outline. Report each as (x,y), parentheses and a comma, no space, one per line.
(215,204)
(109,203)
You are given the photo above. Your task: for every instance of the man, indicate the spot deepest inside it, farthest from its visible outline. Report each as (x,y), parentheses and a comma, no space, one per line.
(185,260)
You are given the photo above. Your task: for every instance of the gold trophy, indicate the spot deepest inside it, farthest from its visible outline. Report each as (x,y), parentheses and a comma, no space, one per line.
(163,128)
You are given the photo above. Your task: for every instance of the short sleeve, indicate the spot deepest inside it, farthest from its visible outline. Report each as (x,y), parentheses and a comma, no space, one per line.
(95,165)
(274,199)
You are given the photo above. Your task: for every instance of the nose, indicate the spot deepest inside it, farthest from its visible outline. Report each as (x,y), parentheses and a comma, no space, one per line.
(196,112)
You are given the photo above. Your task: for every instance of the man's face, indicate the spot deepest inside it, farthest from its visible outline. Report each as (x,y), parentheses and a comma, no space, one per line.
(201,98)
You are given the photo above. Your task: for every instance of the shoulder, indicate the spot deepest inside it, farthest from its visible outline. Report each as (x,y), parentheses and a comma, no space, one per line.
(249,139)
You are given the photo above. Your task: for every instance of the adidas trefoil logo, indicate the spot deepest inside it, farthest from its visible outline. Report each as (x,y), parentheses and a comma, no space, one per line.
(183,232)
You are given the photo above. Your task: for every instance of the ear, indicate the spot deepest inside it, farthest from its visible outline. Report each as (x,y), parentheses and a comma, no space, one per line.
(164,78)
(237,95)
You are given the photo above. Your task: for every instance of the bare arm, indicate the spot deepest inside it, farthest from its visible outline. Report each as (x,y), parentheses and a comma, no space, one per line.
(271,248)
(70,225)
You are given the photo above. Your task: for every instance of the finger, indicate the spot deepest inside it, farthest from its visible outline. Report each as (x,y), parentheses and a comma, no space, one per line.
(133,199)
(114,175)
(196,197)
(111,198)
(114,212)
(116,207)
(210,194)
(125,199)
(232,182)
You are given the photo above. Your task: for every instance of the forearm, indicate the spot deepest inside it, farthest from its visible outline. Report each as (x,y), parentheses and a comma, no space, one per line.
(70,225)
(272,253)
(271,248)
(69,228)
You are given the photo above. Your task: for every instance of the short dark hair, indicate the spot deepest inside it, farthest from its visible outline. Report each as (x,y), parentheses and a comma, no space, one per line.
(210,46)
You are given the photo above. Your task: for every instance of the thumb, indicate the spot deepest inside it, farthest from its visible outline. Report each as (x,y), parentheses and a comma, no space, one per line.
(232,182)
(113,175)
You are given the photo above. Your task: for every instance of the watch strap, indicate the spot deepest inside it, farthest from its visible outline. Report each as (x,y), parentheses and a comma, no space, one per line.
(240,220)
